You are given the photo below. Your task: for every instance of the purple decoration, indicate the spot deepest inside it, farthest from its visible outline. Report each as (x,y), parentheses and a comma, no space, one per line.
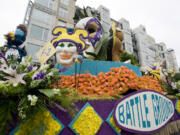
(98,35)
(29,68)
(154,68)
(103,108)
(78,45)
(63,69)
(40,76)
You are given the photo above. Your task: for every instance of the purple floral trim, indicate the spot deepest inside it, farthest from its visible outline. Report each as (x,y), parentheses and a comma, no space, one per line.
(63,69)
(40,76)
(98,35)
(154,68)
(29,68)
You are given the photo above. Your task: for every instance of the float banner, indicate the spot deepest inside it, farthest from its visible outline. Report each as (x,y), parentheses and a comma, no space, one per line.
(144,111)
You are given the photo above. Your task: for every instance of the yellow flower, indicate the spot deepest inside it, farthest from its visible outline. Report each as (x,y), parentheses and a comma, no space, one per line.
(178,106)
(52,126)
(88,123)
(171,71)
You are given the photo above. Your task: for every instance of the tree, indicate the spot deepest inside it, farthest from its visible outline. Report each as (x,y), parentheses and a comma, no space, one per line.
(126,56)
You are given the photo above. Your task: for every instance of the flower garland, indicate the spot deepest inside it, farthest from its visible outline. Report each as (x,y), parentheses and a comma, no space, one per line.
(115,82)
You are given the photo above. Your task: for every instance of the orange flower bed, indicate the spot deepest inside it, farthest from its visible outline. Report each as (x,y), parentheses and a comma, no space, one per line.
(115,82)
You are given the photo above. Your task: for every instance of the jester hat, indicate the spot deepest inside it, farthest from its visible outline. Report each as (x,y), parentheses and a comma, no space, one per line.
(63,34)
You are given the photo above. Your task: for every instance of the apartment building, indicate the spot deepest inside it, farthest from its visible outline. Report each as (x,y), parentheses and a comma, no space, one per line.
(145,46)
(41,17)
(105,17)
(172,61)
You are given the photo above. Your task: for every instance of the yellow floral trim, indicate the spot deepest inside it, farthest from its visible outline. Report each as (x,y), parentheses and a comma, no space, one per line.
(62,33)
(171,71)
(178,106)
(88,123)
(114,124)
(43,121)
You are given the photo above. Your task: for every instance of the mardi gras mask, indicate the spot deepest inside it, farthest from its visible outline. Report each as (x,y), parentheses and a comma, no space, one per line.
(68,45)
(94,29)
(65,52)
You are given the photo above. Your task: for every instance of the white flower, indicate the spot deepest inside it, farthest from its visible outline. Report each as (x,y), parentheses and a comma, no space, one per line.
(44,67)
(33,99)
(3,65)
(23,62)
(50,74)
(18,78)
(9,71)
(26,61)
(173,85)
(1,82)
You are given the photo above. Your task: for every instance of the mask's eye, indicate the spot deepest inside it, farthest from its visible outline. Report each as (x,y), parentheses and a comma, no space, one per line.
(61,45)
(70,45)
(91,30)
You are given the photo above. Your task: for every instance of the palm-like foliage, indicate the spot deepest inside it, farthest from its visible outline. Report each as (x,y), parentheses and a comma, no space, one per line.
(82,13)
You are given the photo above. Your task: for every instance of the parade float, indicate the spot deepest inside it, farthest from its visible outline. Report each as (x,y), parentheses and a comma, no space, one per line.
(87,91)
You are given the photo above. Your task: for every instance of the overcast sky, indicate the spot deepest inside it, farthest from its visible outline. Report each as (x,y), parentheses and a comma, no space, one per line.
(160,17)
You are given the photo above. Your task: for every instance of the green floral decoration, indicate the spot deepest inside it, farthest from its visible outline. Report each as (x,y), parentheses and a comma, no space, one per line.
(26,88)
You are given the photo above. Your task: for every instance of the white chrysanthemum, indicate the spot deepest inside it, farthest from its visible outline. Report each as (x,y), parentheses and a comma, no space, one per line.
(33,99)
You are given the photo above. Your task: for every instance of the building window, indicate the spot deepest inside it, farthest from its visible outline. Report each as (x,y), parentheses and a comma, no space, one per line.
(46,3)
(160,48)
(123,45)
(41,16)
(162,55)
(32,49)
(39,33)
(63,13)
(61,23)
(65,2)
(121,26)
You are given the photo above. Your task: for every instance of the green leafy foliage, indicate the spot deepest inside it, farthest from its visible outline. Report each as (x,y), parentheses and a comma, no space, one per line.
(82,13)
(177,76)
(7,89)
(7,109)
(50,92)
(126,56)
(102,54)
(172,86)
(66,99)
